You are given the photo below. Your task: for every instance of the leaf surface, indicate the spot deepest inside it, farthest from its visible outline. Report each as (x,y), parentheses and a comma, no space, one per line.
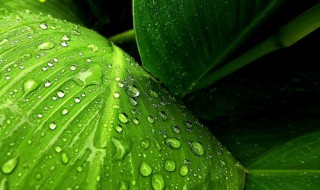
(182,41)
(78,112)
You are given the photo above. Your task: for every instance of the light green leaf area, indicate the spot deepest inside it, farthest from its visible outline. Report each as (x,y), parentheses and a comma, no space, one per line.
(76,112)
(62,9)
(294,165)
(181,42)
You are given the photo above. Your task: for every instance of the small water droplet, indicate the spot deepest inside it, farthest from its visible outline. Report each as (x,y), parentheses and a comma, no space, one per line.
(52,126)
(38,176)
(132,91)
(150,119)
(176,129)
(29,86)
(65,111)
(173,142)
(9,166)
(116,95)
(47,84)
(46,46)
(157,182)
(184,170)
(145,169)
(120,84)
(118,128)
(145,144)
(73,67)
(163,115)
(133,101)
(64,44)
(58,149)
(65,38)
(60,94)
(197,148)
(79,169)
(169,166)
(136,121)
(153,94)
(64,158)
(77,100)
(123,118)
(43,26)
(40,115)
(93,47)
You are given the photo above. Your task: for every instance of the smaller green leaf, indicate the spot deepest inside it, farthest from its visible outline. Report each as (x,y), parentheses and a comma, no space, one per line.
(294,165)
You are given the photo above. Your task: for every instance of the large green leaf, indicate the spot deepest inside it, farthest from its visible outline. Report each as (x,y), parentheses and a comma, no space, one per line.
(77,112)
(181,41)
(294,165)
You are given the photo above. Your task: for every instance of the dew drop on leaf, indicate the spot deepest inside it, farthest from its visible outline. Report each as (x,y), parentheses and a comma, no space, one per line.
(145,169)
(157,182)
(64,158)
(72,68)
(65,111)
(116,95)
(53,126)
(136,121)
(93,47)
(43,26)
(150,119)
(145,144)
(60,94)
(38,176)
(29,86)
(153,94)
(58,149)
(77,100)
(133,101)
(169,165)
(47,84)
(197,148)
(118,128)
(184,170)
(123,118)
(9,166)
(120,149)
(176,129)
(46,46)
(133,91)
(173,142)
(64,44)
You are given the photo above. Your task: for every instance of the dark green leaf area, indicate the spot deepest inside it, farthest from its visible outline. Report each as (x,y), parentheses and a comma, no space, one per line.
(76,112)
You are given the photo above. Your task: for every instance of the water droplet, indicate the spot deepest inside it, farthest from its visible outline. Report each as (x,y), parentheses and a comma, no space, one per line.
(9,166)
(64,158)
(60,94)
(43,26)
(77,100)
(153,94)
(38,176)
(65,111)
(150,119)
(133,101)
(93,47)
(64,44)
(40,115)
(197,148)
(58,149)
(163,115)
(73,67)
(90,77)
(157,182)
(120,84)
(176,129)
(136,121)
(120,149)
(123,118)
(116,95)
(65,38)
(47,84)
(169,166)
(118,128)
(79,169)
(52,126)
(133,91)
(145,144)
(145,169)
(29,86)
(173,142)
(184,170)
(46,46)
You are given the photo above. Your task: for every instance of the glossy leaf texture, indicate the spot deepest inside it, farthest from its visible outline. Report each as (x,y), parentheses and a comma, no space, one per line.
(182,41)
(294,165)
(76,112)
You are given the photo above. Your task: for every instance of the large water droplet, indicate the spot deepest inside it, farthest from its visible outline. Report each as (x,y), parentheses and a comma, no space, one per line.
(123,118)
(173,142)
(65,111)
(53,126)
(29,86)
(184,170)
(47,84)
(157,182)
(133,91)
(90,77)
(64,158)
(60,94)
(197,148)
(77,100)
(145,169)
(43,26)
(46,46)
(169,166)
(9,166)
(120,149)
(145,144)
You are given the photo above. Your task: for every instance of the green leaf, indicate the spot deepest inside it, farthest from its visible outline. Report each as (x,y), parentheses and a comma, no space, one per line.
(294,165)
(78,112)
(181,41)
